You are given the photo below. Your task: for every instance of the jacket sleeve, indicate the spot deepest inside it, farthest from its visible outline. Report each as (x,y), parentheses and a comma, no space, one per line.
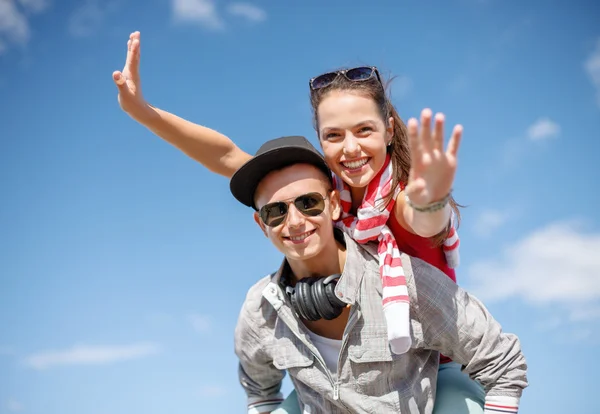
(258,376)
(459,326)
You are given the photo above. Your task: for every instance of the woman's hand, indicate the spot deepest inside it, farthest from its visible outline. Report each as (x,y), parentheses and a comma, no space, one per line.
(432,170)
(129,84)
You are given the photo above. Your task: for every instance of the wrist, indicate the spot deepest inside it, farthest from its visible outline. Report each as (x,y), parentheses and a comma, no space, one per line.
(145,114)
(497,404)
(430,224)
(432,207)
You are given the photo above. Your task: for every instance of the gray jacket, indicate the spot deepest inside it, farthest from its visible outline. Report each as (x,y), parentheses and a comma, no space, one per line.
(270,339)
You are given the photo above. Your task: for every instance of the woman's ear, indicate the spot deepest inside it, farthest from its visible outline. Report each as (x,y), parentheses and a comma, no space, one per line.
(390,130)
(260,223)
(335,205)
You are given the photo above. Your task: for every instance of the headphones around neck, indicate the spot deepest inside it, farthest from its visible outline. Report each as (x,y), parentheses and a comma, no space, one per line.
(314,298)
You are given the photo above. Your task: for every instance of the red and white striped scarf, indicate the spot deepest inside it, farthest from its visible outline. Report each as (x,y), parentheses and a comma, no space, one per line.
(369,225)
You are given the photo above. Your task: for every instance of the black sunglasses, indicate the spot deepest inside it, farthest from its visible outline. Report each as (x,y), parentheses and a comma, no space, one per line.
(311,205)
(359,74)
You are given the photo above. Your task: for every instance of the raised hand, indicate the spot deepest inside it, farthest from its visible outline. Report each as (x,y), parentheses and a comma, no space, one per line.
(128,81)
(432,170)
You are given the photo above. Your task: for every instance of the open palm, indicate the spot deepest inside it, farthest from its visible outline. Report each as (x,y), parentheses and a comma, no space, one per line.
(432,170)
(128,81)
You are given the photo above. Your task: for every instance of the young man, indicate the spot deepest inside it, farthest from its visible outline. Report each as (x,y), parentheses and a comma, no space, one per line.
(320,316)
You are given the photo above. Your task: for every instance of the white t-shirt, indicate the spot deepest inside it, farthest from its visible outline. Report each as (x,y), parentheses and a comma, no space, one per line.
(328,348)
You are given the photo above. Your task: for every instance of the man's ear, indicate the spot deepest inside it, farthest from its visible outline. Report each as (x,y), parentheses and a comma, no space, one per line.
(390,130)
(260,223)
(335,205)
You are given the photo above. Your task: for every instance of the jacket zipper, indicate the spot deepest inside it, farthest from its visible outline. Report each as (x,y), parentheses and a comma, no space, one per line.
(335,384)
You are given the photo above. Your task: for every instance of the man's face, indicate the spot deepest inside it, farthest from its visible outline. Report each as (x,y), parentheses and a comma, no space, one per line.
(300,236)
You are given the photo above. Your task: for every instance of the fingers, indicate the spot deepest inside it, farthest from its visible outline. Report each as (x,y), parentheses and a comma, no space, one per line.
(121,82)
(118,78)
(129,55)
(438,133)
(132,50)
(425,136)
(424,140)
(455,141)
(413,139)
(134,62)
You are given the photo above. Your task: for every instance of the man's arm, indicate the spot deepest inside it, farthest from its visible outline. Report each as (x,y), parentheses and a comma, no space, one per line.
(459,326)
(258,376)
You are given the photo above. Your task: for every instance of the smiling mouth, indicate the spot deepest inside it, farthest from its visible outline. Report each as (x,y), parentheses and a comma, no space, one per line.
(355,164)
(300,237)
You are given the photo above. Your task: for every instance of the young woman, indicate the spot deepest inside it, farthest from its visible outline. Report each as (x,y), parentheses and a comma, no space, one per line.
(373,156)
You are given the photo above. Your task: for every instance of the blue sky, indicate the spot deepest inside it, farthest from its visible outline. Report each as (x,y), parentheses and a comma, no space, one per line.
(123,263)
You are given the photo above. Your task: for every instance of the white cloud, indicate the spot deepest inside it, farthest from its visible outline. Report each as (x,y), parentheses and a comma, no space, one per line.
(577,320)
(35,6)
(580,335)
(489,221)
(248,11)
(90,355)
(585,314)
(212,391)
(543,128)
(86,19)
(549,324)
(200,323)
(14,406)
(203,12)
(592,67)
(13,24)
(555,265)
(584,335)
(523,145)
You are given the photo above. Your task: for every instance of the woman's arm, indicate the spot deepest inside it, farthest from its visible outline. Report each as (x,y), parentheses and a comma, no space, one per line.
(210,148)
(425,224)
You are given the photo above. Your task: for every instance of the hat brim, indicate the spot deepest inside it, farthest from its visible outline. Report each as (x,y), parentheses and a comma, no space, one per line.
(245,180)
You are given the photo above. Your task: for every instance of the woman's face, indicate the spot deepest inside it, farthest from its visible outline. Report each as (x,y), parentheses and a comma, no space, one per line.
(353,136)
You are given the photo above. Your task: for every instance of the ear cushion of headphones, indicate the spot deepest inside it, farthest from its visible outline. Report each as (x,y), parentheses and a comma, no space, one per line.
(323,306)
(295,305)
(332,297)
(305,299)
(300,302)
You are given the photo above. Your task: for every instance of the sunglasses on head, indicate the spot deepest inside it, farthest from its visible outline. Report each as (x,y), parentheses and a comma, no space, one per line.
(359,74)
(311,205)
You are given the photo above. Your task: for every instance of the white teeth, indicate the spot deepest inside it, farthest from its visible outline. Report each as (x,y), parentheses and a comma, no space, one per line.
(355,164)
(300,236)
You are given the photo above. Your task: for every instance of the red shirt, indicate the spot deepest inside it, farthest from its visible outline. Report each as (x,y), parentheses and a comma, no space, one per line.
(421,247)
